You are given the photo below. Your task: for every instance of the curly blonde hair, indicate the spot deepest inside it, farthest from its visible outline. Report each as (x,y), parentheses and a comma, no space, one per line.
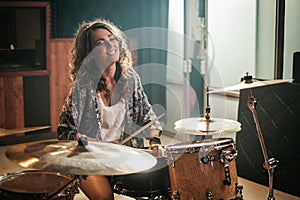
(82,46)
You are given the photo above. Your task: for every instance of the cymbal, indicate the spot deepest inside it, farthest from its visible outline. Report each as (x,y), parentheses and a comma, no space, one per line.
(201,126)
(245,85)
(6,132)
(67,157)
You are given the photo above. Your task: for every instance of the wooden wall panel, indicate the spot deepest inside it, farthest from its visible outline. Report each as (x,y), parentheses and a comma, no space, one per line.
(12,102)
(59,77)
(2,104)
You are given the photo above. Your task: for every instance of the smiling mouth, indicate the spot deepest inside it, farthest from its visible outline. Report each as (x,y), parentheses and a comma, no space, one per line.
(111,53)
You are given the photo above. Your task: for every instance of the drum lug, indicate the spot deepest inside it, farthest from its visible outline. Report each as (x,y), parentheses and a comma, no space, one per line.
(227,180)
(119,189)
(205,160)
(239,190)
(227,156)
(171,161)
(209,194)
(175,195)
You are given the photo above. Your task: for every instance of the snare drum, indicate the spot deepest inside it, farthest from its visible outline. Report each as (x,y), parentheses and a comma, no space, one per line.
(154,182)
(31,185)
(204,169)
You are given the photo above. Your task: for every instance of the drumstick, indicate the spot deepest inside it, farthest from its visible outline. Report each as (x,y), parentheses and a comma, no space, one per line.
(141,129)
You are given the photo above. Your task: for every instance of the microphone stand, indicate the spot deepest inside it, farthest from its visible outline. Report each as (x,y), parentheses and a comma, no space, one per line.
(269,164)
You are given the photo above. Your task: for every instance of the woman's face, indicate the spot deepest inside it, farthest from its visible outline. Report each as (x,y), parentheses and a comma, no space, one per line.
(105,45)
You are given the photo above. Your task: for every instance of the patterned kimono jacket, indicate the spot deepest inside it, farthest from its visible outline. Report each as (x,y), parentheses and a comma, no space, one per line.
(81,113)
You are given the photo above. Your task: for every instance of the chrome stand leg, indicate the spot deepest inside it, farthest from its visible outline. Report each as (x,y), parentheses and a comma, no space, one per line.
(269,164)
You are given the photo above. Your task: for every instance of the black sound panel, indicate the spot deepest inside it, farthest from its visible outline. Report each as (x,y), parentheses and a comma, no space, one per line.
(36,101)
(296,67)
(278,110)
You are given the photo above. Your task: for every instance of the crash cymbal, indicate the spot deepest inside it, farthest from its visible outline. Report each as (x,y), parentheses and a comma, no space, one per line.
(247,83)
(244,85)
(201,126)
(67,157)
(7,132)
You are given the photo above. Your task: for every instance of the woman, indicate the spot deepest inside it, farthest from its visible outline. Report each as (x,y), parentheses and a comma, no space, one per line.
(107,101)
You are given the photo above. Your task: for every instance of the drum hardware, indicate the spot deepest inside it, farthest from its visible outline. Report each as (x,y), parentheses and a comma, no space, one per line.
(269,164)
(209,194)
(247,82)
(171,160)
(223,157)
(175,195)
(204,160)
(239,190)
(227,180)
(227,156)
(67,188)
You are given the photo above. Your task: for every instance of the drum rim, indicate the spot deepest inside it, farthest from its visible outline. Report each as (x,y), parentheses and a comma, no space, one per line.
(190,147)
(8,176)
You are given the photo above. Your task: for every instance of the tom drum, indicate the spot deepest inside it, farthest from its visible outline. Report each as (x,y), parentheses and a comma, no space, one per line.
(203,169)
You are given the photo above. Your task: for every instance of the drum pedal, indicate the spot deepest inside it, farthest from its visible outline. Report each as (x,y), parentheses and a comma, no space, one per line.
(175,195)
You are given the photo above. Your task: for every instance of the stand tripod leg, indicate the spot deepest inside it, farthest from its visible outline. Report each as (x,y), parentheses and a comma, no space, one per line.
(74,181)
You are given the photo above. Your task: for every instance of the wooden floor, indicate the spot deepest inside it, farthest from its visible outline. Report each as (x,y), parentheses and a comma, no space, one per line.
(251,190)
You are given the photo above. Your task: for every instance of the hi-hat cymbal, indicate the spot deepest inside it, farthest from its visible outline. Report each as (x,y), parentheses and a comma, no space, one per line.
(67,157)
(245,85)
(201,126)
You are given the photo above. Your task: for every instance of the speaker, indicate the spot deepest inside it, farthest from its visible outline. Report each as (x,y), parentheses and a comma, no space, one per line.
(296,67)
(278,111)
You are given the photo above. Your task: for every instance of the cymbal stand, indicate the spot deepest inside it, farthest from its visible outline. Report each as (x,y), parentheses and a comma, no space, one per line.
(68,187)
(269,164)
(207,109)
(207,114)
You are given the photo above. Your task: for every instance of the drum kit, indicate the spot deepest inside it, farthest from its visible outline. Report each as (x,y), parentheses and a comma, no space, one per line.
(199,169)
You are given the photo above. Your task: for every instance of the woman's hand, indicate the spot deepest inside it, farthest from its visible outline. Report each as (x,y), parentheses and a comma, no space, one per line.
(154,143)
(79,135)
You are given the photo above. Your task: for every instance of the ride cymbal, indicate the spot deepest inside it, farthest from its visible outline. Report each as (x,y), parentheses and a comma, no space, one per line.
(202,126)
(67,157)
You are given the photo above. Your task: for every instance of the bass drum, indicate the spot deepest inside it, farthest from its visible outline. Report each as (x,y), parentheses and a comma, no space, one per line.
(204,169)
(36,185)
(153,183)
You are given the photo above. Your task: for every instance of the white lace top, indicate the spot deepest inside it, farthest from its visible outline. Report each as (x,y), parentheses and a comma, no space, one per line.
(112,122)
